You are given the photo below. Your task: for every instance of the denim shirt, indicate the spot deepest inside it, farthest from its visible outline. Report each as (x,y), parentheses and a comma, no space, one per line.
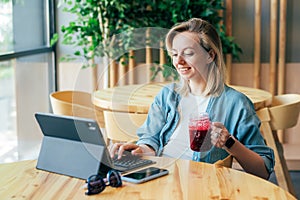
(232,108)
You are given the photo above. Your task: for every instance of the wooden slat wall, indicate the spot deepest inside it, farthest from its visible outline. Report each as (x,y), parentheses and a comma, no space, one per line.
(257,43)
(148,56)
(121,75)
(276,78)
(282,46)
(162,59)
(113,73)
(131,67)
(228,17)
(273,45)
(281,60)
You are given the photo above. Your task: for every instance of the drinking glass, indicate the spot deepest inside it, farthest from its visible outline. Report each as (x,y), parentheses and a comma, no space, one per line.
(199,131)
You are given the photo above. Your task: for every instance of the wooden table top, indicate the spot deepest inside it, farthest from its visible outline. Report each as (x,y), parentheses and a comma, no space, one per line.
(137,98)
(186,180)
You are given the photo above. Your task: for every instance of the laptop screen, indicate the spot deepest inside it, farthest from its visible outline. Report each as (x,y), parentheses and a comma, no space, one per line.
(71,146)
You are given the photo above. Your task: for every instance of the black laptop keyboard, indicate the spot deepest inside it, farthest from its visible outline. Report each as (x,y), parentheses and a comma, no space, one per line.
(130,162)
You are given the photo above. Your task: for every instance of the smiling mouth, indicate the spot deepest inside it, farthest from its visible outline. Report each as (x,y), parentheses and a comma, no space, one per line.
(184,69)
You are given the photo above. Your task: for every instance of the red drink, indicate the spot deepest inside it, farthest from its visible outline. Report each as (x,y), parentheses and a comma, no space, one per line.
(199,133)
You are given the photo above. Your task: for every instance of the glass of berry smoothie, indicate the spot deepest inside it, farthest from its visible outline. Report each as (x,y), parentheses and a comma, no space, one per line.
(199,131)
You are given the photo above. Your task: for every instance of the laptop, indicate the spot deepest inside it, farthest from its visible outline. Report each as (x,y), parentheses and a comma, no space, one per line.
(75,147)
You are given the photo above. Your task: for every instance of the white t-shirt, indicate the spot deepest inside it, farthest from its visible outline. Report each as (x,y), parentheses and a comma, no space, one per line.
(179,143)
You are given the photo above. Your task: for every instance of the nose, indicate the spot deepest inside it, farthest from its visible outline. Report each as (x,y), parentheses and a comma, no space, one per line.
(179,60)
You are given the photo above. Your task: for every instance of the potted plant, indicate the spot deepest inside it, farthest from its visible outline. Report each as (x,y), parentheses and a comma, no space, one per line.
(97,22)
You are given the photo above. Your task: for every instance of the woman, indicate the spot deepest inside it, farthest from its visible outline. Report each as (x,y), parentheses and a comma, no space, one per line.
(196,51)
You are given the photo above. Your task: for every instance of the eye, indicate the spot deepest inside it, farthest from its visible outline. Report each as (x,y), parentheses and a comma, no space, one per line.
(188,53)
(174,54)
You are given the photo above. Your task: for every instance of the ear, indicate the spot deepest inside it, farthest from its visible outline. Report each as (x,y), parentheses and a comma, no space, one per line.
(211,56)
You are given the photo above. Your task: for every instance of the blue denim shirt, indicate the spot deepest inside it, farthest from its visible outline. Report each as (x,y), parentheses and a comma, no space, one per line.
(232,108)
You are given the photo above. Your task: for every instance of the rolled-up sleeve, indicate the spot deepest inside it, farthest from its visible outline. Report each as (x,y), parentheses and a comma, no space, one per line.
(249,134)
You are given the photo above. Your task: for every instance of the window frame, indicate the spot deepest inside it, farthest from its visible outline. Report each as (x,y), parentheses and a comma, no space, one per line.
(46,49)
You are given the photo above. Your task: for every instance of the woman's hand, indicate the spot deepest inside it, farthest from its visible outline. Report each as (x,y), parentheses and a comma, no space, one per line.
(219,134)
(250,161)
(119,148)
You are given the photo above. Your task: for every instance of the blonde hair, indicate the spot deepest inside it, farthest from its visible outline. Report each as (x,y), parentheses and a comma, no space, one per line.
(210,41)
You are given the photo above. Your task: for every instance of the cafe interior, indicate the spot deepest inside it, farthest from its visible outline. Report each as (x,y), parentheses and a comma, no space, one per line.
(106,61)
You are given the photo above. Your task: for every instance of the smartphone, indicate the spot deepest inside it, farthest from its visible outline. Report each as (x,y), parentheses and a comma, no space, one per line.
(144,175)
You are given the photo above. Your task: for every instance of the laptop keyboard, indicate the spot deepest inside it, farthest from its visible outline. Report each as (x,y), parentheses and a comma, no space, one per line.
(130,162)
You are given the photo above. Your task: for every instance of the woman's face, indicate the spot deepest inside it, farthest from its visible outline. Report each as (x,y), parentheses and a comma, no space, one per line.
(189,57)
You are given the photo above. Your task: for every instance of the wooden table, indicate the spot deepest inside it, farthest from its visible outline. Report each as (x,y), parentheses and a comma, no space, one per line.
(138,98)
(186,180)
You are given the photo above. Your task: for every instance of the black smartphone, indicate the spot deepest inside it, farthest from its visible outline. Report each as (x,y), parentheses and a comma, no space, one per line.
(144,175)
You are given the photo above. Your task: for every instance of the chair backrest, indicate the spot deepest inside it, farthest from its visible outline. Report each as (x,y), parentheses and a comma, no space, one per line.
(282,114)
(122,126)
(284,111)
(226,162)
(75,103)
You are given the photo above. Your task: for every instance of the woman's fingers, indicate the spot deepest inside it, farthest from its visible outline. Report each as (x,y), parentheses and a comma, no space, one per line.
(219,134)
(138,151)
(143,149)
(113,149)
(126,147)
(119,148)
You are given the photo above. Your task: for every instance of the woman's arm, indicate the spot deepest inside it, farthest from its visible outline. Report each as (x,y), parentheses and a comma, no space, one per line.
(250,161)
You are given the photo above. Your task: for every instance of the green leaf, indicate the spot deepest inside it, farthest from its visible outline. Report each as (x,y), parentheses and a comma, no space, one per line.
(54,39)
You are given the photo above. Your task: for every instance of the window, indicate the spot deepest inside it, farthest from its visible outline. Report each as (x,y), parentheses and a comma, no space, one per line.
(27,66)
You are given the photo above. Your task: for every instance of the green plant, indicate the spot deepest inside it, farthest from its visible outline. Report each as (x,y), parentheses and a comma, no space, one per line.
(97,23)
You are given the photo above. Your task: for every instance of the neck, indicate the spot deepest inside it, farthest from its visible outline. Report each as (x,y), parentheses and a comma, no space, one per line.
(197,88)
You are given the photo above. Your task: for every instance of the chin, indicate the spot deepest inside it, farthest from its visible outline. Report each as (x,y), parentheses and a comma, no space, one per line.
(186,76)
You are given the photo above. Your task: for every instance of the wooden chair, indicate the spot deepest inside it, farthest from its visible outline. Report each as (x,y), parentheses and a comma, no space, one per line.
(282,114)
(121,126)
(76,103)
(226,162)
